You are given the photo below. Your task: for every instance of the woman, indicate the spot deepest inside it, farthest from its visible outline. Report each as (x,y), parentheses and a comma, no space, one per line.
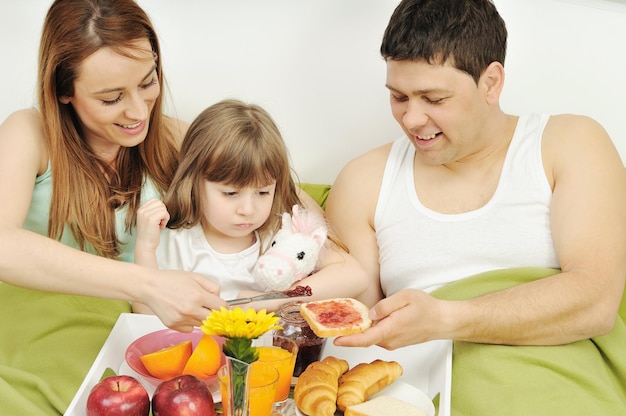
(77,169)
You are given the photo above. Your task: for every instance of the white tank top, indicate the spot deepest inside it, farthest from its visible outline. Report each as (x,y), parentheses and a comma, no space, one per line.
(423,249)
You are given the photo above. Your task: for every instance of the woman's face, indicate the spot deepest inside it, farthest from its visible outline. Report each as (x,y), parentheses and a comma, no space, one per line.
(114,96)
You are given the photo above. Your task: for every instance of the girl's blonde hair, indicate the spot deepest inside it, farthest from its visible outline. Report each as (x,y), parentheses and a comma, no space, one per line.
(86,190)
(237,144)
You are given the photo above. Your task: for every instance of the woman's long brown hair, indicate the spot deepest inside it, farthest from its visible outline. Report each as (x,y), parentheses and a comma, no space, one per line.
(86,190)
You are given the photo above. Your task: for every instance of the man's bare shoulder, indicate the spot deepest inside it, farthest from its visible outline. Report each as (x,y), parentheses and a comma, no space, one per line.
(576,145)
(369,165)
(565,128)
(358,183)
(572,136)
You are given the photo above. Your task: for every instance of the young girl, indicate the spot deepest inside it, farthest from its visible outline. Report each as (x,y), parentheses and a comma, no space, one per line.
(225,204)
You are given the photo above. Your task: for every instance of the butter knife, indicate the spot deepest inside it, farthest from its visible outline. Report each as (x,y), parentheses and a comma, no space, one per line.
(298,291)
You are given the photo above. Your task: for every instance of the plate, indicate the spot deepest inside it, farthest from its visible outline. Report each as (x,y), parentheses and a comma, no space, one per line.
(157,340)
(405,392)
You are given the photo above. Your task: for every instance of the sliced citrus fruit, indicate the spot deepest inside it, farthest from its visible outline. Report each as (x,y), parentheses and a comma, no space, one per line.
(205,359)
(168,362)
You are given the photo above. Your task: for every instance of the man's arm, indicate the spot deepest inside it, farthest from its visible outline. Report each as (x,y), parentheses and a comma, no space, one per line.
(350,211)
(589,231)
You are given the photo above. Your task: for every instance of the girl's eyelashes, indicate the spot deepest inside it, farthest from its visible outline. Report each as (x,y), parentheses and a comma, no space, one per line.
(233,193)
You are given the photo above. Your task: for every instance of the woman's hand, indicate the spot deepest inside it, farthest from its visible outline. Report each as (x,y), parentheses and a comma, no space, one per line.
(182,299)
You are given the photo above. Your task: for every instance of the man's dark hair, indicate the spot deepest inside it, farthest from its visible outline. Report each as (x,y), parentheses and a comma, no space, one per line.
(469,34)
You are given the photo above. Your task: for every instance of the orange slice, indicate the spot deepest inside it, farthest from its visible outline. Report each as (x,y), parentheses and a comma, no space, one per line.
(168,362)
(205,359)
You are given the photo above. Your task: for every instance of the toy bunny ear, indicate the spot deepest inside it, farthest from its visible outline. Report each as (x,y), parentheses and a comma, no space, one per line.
(295,218)
(287,223)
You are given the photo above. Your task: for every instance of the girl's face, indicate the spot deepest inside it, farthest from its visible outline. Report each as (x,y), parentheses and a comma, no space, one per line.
(114,96)
(233,214)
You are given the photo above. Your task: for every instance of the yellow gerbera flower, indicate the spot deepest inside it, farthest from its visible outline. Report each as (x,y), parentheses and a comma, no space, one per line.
(237,323)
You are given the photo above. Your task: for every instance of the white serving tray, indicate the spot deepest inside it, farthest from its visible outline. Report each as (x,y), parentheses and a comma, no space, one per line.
(427,366)
(128,328)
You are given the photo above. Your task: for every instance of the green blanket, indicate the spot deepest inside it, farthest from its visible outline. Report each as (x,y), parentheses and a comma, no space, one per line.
(42,364)
(582,378)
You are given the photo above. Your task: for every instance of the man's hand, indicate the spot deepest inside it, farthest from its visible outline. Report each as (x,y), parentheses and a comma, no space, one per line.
(406,317)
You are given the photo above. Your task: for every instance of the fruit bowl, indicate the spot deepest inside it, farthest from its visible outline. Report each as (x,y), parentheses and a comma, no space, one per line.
(158,340)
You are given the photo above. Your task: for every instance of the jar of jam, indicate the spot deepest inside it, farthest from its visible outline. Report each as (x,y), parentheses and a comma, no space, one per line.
(296,327)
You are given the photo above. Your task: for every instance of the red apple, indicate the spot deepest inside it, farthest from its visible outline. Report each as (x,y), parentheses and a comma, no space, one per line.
(118,396)
(183,395)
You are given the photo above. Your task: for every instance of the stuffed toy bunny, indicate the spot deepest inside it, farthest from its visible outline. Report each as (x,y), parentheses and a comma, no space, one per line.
(294,252)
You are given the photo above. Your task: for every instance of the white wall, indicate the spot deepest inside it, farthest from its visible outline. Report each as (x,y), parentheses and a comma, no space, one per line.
(568,56)
(314,64)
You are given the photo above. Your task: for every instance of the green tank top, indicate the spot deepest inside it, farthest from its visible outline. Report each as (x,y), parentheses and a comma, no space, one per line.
(39,213)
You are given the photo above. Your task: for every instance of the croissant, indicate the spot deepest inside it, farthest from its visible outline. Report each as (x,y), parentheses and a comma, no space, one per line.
(315,393)
(364,380)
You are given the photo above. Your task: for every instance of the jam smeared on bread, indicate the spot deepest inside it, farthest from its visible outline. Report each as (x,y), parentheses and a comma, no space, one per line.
(335,317)
(334,314)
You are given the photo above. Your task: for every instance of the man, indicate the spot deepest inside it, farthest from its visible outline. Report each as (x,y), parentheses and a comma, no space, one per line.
(472,189)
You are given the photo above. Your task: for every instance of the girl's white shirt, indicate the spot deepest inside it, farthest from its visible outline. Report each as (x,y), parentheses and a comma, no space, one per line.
(187,249)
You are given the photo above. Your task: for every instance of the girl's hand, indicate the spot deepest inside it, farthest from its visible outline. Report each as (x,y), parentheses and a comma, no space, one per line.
(152,217)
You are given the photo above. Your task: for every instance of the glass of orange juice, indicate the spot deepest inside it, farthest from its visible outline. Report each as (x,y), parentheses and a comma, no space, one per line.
(280,353)
(260,389)
(262,381)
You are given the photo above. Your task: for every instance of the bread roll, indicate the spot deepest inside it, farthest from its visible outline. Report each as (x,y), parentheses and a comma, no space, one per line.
(384,406)
(335,317)
(364,380)
(315,393)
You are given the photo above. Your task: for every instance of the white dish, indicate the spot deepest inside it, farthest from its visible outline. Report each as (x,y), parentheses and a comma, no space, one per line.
(405,392)
(426,366)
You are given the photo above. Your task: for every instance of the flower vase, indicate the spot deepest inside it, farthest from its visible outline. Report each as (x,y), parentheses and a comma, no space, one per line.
(233,379)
